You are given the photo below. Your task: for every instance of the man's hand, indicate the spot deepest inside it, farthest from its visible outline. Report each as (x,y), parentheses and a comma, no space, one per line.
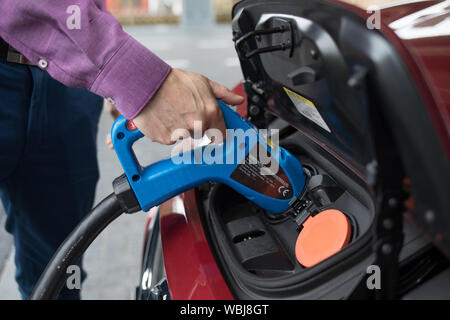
(108,107)
(183,98)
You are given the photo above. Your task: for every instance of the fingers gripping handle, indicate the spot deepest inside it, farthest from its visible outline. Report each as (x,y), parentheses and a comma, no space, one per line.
(162,180)
(125,135)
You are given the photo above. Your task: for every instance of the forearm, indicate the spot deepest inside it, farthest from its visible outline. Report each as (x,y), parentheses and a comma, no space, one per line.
(99,56)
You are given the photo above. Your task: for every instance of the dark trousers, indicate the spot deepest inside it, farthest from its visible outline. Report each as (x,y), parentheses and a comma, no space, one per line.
(48,165)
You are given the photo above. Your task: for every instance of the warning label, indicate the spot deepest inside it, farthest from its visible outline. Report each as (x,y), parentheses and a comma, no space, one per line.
(260,176)
(307,109)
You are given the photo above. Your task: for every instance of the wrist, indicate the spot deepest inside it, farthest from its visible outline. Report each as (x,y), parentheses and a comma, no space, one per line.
(131,77)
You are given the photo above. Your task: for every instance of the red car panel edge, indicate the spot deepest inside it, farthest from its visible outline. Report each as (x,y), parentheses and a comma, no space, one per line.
(192,272)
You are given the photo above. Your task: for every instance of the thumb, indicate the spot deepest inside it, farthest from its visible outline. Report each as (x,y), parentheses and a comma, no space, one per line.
(226,95)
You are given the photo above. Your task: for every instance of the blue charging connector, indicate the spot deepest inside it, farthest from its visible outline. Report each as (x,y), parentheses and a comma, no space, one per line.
(273,181)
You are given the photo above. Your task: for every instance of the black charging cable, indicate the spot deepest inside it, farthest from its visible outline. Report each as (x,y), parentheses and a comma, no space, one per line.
(54,277)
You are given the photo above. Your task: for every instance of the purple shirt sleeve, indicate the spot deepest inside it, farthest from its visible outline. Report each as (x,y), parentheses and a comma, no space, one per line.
(99,56)
(101,4)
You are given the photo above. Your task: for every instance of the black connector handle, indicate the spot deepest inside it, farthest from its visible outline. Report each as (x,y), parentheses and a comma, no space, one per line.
(125,194)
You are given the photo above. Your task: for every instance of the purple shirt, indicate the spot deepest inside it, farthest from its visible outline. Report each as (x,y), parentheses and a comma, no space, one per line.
(99,56)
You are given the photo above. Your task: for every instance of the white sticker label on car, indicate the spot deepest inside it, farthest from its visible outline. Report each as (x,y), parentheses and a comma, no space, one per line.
(307,109)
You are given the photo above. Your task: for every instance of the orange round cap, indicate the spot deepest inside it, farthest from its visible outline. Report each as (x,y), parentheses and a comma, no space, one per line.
(322,235)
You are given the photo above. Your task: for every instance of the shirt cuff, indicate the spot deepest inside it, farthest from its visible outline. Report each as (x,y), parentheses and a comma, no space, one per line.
(131,77)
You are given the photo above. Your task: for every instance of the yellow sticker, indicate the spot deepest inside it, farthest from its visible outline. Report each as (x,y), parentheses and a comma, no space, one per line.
(307,109)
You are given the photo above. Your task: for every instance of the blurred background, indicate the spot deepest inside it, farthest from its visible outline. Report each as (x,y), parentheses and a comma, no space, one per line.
(175,11)
(188,34)
(167,11)
(178,11)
